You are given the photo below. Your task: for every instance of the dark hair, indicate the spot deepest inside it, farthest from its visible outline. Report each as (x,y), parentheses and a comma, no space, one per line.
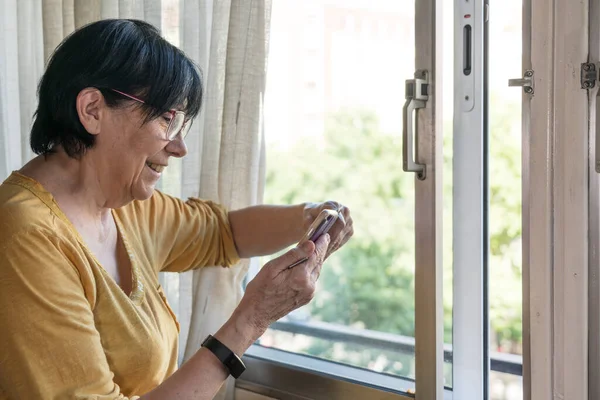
(126,55)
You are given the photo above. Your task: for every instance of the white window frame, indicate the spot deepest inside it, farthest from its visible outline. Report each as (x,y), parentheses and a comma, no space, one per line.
(470,229)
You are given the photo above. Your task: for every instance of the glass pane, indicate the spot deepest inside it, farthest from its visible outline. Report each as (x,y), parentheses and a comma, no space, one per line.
(447,124)
(505,192)
(333,127)
(505,386)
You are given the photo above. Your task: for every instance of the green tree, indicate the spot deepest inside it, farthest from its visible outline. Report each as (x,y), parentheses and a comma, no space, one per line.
(370,282)
(505,227)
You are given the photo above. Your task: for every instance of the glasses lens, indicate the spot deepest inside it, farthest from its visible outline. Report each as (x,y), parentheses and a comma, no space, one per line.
(186,129)
(176,124)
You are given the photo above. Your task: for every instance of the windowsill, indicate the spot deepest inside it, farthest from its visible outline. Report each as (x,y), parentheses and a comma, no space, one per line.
(293,376)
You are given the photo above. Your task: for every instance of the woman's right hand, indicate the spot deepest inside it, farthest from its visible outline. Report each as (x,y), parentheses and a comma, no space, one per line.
(274,292)
(277,290)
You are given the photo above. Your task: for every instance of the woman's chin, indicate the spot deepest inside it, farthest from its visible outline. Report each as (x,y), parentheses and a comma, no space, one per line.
(144,191)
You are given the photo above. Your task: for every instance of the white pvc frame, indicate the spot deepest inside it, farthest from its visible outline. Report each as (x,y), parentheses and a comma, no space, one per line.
(470,340)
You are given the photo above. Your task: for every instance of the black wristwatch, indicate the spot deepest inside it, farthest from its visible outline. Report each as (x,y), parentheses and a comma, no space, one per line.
(230,360)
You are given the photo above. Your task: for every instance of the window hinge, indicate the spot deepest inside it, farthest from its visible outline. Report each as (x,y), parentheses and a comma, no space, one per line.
(589,75)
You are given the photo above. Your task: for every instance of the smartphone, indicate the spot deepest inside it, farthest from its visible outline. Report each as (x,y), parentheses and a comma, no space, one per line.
(320,225)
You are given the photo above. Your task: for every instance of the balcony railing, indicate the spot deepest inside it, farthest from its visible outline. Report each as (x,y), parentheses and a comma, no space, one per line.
(500,362)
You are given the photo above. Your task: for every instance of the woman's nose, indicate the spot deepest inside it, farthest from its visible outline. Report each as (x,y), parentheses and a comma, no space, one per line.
(177,147)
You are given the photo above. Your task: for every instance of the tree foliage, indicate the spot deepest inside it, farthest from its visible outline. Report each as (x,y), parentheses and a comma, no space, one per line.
(370,282)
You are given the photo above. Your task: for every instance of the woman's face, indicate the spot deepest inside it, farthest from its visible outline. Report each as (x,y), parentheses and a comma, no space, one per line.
(130,155)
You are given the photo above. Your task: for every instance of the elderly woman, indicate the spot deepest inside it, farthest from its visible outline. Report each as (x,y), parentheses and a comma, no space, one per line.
(84,234)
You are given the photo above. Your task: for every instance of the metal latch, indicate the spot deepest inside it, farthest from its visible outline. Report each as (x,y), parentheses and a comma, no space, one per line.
(589,75)
(527,82)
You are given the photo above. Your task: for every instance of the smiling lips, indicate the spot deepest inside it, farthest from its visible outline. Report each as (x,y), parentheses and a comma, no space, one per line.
(156,167)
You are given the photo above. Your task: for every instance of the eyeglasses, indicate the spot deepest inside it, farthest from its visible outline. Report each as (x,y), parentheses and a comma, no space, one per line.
(177,123)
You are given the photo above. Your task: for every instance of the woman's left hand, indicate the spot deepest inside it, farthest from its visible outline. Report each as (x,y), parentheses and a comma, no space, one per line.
(341,231)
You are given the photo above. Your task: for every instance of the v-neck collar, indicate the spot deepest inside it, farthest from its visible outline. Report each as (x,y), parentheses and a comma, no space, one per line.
(137,287)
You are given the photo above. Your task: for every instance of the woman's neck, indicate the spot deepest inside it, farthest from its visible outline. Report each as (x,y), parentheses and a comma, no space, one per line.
(74,183)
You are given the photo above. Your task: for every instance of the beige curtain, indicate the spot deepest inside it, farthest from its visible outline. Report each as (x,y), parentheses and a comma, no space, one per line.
(228,39)
(21,65)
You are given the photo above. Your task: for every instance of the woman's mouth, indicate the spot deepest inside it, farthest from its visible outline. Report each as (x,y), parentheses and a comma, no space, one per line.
(155,167)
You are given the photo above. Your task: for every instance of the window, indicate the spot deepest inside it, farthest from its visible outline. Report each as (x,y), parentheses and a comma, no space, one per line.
(363,314)
(344,142)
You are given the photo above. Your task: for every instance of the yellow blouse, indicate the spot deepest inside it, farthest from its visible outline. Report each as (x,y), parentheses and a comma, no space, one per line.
(67,330)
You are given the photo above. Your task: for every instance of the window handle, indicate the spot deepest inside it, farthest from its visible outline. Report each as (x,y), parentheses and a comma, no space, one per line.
(416,94)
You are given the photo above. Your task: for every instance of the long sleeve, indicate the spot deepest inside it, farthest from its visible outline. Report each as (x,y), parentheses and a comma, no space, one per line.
(49,345)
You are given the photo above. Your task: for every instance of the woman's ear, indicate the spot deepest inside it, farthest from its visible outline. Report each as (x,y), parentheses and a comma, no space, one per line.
(90,106)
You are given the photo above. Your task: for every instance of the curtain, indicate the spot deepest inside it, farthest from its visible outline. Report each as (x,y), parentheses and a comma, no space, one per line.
(228,39)
(21,65)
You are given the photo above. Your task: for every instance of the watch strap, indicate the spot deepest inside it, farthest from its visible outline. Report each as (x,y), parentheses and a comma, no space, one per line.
(230,360)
